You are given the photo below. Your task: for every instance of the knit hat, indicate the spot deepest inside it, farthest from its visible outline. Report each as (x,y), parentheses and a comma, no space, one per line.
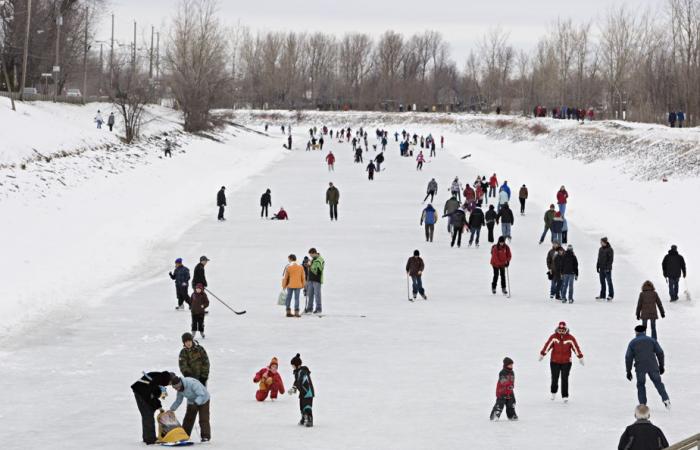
(416,253)
(273,362)
(640,329)
(507,361)
(674,248)
(502,240)
(178,261)
(569,247)
(296,361)
(199,286)
(562,324)
(604,239)
(557,214)
(187,337)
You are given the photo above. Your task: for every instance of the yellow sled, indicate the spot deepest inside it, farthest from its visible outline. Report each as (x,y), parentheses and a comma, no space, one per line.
(169,429)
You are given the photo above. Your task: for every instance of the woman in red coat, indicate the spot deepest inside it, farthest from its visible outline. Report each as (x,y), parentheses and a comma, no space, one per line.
(561,343)
(562,197)
(269,381)
(500,259)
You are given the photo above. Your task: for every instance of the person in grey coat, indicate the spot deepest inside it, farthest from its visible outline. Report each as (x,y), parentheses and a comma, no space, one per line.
(648,359)
(432,190)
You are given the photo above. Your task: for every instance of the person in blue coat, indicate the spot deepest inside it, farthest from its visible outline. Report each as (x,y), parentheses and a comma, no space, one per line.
(648,359)
(429,217)
(198,401)
(181,276)
(506,188)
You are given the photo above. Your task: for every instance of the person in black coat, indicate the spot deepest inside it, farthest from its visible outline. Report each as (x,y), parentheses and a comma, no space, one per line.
(568,268)
(476,221)
(642,434)
(265,202)
(604,268)
(673,266)
(458,219)
(305,387)
(148,391)
(199,275)
(491,217)
(221,202)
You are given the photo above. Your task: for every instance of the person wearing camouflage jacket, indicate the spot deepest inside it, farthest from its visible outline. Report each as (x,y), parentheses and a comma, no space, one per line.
(194,361)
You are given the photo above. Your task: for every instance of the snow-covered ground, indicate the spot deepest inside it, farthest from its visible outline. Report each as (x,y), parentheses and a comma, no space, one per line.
(408,375)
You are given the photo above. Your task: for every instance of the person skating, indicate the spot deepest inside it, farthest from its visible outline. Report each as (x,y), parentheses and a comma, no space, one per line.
(642,434)
(181,276)
(193,359)
(370,170)
(476,221)
(294,281)
(265,202)
(556,227)
(522,196)
(320,143)
(429,218)
(469,196)
(305,387)
(458,220)
(648,359)
(379,159)
(420,159)
(604,268)
(199,276)
(289,142)
(493,184)
(561,344)
(198,401)
(280,215)
(500,260)
(221,202)
(456,189)
(332,200)
(507,219)
(414,269)
(552,272)
(330,160)
(548,218)
(269,382)
(673,265)
(148,391)
(316,269)
(647,306)
(432,149)
(451,206)
(562,199)
(199,302)
(110,121)
(432,190)
(568,268)
(505,392)
(491,217)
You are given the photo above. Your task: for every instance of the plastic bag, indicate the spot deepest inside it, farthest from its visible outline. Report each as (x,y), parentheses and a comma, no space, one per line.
(282,298)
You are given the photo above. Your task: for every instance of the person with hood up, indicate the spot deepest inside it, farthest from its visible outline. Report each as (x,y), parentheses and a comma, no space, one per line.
(522,196)
(562,198)
(148,392)
(476,221)
(642,434)
(110,121)
(265,202)
(199,302)
(330,160)
(181,276)
(221,202)
(458,220)
(507,219)
(491,218)
(647,305)
(673,266)
(647,356)
(305,387)
(500,259)
(432,190)
(456,189)
(561,344)
(451,206)
(269,382)
(505,392)
(604,268)
(568,268)
(193,359)
(198,401)
(429,217)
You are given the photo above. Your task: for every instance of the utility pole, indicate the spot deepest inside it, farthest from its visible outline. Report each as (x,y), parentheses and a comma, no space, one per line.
(158,55)
(26,50)
(111,58)
(57,66)
(85,55)
(133,55)
(150,63)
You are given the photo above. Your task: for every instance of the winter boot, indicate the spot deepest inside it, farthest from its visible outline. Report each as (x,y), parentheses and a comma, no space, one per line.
(505,292)
(667,404)
(571,300)
(424,297)
(493,290)
(289,313)
(514,417)
(609,299)
(296,313)
(553,397)
(495,413)
(309,421)
(302,422)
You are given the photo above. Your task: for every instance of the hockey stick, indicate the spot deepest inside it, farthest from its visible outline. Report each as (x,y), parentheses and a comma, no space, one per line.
(508,281)
(224,303)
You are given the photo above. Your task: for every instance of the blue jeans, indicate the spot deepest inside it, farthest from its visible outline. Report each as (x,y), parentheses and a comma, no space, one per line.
(655,378)
(567,284)
(474,231)
(653,326)
(554,286)
(673,288)
(544,234)
(314,291)
(606,277)
(562,208)
(556,237)
(294,291)
(505,229)
(417,285)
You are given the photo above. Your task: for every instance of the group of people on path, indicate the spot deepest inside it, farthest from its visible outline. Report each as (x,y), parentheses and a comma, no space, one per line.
(306,277)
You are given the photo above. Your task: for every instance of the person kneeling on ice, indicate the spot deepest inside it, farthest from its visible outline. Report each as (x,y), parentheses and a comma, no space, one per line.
(199,303)
(280,215)
(561,343)
(270,382)
(505,392)
(642,434)
(414,269)
(193,359)
(305,387)
(198,402)
(500,260)
(148,391)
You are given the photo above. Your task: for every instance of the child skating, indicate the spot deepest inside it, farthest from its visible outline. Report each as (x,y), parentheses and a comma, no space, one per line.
(305,387)
(505,392)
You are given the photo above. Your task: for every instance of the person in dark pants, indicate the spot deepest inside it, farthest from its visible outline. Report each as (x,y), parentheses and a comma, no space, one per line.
(198,304)
(414,269)
(491,217)
(522,196)
(332,199)
(370,170)
(647,305)
(429,217)
(148,391)
(648,359)
(193,359)
(642,434)
(673,266)
(500,259)
(265,202)
(110,121)
(505,392)
(199,276)
(604,268)
(476,221)
(221,202)
(181,275)
(305,387)
(198,402)
(561,343)
(458,220)
(289,142)
(432,190)
(168,148)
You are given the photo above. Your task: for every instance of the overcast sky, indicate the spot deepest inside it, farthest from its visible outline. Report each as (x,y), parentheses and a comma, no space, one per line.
(461,22)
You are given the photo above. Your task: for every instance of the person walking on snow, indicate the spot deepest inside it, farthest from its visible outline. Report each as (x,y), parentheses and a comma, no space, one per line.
(458,220)
(507,219)
(414,269)
(552,272)
(469,196)
(568,268)
(432,190)
(642,434)
(456,189)
(199,302)
(168,150)
(476,221)
(500,260)
(648,359)
(379,159)
(647,304)
(265,202)
(673,265)
(451,206)
(548,218)
(199,277)
(522,196)
(332,199)
(330,160)
(561,344)
(98,120)
(493,184)
(148,392)
(491,218)
(503,198)
(221,202)
(505,392)
(370,170)
(193,359)
(110,121)
(316,269)
(432,149)
(420,159)
(505,188)
(294,281)
(557,226)
(429,218)
(305,387)
(604,268)
(198,401)
(562,198)
(181,276)
(269,382)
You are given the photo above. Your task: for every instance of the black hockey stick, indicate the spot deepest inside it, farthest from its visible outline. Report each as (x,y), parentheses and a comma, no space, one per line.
(224,303)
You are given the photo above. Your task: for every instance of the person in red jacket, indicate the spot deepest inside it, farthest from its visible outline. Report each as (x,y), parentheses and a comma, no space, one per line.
(505,392)
(493,184)
(500,259)
(561,344)
(270,382)
(562,197)
(281,214)
(330,159)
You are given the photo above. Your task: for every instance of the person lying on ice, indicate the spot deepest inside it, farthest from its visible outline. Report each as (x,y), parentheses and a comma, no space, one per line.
(270,382)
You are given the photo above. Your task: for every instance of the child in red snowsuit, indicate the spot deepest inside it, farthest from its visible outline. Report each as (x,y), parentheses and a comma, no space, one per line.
(269,381)
(505,392)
